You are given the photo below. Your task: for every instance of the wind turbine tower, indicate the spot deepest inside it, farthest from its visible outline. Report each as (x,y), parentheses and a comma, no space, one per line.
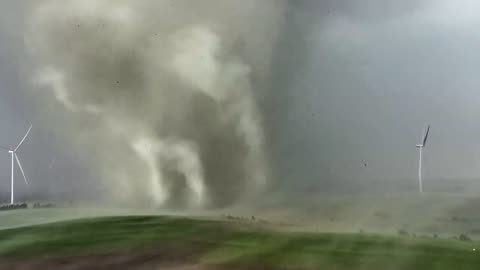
(420,148)
(13,152)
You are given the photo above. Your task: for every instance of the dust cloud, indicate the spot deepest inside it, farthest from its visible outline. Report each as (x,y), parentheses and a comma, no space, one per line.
(160,97)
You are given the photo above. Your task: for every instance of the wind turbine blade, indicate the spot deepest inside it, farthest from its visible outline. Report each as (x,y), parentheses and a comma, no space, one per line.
(426,136)
(6,148)
(24,137)
(21,169)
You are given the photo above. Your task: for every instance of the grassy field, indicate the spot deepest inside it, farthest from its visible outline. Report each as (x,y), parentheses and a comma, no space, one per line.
(27,217)
(430,213)
(245,245)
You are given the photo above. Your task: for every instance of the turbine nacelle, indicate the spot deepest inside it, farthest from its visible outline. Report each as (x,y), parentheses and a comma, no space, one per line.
(424,138)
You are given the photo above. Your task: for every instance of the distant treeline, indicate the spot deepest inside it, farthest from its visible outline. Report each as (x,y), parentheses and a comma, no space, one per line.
(13,206)
(6,207)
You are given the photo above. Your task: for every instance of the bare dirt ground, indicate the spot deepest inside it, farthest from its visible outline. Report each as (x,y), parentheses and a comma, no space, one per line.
(119,261)
(167,257)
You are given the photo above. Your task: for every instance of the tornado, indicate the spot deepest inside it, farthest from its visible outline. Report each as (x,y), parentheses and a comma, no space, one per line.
(161,98)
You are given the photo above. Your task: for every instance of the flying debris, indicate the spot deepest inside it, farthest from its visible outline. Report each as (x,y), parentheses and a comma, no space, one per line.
(13,153)
(420,147)
(54,159)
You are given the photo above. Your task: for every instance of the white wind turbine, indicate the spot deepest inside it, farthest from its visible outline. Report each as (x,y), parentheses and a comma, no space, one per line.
(13,153)
(420,147)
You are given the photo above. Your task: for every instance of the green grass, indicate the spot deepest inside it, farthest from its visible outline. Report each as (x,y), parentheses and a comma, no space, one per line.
(215,242)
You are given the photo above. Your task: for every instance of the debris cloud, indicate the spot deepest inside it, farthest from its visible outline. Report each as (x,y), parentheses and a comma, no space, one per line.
(161,96)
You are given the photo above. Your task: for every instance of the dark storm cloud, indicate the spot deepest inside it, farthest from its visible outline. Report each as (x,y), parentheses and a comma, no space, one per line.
(373,75)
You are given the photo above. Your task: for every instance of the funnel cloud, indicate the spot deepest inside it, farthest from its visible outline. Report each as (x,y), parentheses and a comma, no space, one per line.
(161,97)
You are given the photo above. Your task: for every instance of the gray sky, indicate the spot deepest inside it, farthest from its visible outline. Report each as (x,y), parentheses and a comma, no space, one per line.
(18,109)
(363,81)
(354,82)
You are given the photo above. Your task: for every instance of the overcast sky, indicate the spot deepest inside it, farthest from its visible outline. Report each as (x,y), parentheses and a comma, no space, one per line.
(354,83)
(364,79)
(50,166)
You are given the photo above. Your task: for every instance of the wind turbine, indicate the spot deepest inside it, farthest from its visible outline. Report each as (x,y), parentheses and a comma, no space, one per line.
(13,153)
(420,147)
